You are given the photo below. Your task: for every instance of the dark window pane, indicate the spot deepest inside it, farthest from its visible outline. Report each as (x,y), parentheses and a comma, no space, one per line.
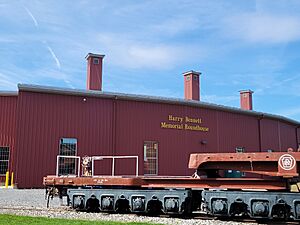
(150,158)
(4,153)
(4,160)
(3,167)
(67,147)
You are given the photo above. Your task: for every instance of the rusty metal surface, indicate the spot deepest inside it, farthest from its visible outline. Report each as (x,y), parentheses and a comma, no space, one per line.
(94,181)
(261,162)
(215,183)
(168,182)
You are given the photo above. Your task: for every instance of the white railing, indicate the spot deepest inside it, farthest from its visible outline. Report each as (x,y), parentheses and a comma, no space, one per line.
(113,162)
(94,158)
(68,157)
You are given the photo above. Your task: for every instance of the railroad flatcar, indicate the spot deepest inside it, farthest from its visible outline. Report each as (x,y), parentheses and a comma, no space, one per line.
(272,194)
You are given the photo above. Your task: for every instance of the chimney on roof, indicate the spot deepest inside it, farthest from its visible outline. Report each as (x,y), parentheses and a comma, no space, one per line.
(246,99)
(191,85)
(94,71)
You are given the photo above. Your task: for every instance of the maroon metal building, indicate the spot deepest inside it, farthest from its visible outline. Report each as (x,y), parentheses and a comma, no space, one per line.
(38,123)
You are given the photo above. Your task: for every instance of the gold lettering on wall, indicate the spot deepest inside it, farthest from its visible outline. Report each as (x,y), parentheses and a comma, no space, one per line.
(184,123)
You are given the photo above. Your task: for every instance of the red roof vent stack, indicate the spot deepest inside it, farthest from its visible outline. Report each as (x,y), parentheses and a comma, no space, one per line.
(246,99)
(192,85)
(94,71)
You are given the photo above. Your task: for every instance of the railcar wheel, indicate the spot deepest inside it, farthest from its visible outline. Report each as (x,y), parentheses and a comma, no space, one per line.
(281,211)
(92,204)
(238,208)
(122,205)
(154,206)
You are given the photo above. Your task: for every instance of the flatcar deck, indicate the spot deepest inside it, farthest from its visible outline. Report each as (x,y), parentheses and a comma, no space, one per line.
(168,182)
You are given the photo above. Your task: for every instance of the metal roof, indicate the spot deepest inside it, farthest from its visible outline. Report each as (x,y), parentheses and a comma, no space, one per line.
(94,55)
(8,93)
(191,72)
(146,98)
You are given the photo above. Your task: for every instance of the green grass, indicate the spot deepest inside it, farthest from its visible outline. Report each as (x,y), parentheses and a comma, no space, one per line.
(19,220)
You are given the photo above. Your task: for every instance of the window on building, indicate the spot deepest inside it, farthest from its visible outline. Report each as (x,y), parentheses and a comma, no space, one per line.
(67,147)
(96,61)
(150,158)
(4,160)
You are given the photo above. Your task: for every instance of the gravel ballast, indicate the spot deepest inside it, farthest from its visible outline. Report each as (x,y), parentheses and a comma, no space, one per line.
(31,202)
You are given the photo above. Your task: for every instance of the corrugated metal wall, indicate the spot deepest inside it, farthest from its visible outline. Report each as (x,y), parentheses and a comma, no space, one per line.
(120,127)
(287,136)
(270,135)
(236,130)
(44,118)
(277,136)
(139,121)
(8,105)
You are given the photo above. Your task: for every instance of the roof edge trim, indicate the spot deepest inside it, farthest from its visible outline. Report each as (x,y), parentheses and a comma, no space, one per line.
(154,99)
(8,93)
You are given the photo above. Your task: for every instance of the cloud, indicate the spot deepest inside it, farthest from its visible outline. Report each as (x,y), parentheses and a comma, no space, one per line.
(53,56)
(134,54)
(57,75)
(271,83)
(32,17)
(291,112)
(8,40)
(177,25)
(45,42)
(154,38)
(219,99)
(42,74)
(155,56)
(7,82)
(263,27)
(141,88)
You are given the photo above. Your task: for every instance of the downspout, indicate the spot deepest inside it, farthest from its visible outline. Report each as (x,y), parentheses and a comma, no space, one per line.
(218,128)
(279,135)
(114,126)
(259,132)
(297,138)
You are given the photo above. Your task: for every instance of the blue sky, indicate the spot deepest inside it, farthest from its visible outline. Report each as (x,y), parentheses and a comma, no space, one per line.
(148,44)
